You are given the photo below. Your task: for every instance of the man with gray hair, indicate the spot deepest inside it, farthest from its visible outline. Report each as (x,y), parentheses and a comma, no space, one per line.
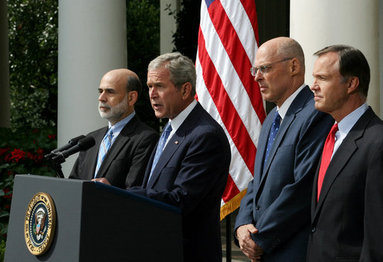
(189,167)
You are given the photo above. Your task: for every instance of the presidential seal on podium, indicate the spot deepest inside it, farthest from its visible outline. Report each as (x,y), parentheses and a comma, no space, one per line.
(40,223)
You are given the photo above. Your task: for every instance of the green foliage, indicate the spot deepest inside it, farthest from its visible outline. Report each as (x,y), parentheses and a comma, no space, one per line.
(186,36)
(33,44)
(143,38)
(21,152)
(2,250)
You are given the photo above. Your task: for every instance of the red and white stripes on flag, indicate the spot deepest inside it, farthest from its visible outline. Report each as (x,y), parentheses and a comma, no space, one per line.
(227,43)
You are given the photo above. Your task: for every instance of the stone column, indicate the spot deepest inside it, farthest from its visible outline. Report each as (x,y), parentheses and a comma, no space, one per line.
(316,24)
(4,67)
(92,41)
(381,56)
(168,24)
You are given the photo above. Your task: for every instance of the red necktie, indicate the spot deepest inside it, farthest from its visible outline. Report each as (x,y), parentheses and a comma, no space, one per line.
(326,156)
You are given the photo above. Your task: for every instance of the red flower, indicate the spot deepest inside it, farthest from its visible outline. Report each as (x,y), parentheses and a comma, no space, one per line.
(17,154)
(8,158)
(30,156)
(52,136)
(7,193)
(40,151)
(3,151)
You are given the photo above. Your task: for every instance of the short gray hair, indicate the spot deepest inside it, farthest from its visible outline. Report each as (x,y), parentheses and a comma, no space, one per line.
(181,68)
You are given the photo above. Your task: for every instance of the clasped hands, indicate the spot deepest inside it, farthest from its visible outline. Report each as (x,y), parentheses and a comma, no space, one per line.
(247,244)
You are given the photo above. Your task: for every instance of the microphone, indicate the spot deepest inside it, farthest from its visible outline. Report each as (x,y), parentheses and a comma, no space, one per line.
(83,144)
(57,156)
(72,142)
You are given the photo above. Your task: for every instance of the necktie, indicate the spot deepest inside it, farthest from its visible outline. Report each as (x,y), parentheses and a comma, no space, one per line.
(160,146)
(104,147)
(273,133)
(326,156)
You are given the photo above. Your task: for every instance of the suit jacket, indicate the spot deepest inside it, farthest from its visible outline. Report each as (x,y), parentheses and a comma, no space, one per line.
(347,222)
(191,174)
(125,163)
(277,201)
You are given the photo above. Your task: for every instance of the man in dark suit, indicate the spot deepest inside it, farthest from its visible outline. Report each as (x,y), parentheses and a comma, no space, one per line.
(273,222)
(189,169)
(347,200)
(131,143)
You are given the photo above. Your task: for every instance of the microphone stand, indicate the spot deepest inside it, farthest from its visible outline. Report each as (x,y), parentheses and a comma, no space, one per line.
(55,160)
(57,167)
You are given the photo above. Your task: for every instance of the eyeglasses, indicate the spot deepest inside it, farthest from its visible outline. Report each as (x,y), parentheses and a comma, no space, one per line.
(265,68)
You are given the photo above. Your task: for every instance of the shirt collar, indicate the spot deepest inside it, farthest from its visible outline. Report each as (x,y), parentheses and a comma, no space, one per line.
(180,118)
(117,127)
(349,121)
(285,106)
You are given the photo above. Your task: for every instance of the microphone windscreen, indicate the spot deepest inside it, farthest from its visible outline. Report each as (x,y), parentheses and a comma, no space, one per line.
(86,142)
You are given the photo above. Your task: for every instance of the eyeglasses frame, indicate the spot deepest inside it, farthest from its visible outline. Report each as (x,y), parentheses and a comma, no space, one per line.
(265,68)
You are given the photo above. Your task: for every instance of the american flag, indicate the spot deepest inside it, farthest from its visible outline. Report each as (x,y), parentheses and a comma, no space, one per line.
(227,43)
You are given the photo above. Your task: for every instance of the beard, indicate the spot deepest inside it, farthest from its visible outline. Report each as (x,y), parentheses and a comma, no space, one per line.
(113,114)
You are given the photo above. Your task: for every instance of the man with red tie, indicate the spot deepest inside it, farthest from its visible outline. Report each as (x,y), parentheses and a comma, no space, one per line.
(347,201)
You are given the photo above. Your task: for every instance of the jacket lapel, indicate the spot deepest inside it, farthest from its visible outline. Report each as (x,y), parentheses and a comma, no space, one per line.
(261,149)
(172,146)
(93,154)
(117,146)
(295,107)
(341,157)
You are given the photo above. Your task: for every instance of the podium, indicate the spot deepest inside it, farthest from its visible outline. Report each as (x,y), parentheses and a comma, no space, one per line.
(95,222)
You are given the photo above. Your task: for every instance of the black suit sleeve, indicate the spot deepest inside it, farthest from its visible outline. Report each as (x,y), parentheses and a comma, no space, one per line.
(140,159)
(373,213)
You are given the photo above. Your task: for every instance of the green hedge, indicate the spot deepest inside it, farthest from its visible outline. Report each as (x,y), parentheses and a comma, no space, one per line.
(21,152)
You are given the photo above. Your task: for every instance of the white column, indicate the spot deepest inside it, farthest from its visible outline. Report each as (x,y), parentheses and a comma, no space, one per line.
(92,41)
(168,25)
(316,24)
(381,56)
(4,67)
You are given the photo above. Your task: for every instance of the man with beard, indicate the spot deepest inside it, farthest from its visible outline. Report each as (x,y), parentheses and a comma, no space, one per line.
(123,147)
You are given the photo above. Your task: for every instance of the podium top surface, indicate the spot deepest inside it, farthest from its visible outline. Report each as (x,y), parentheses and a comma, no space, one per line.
(98,185)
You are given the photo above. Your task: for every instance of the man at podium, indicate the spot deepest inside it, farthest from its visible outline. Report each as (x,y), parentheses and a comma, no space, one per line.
(123,147)
(189,167)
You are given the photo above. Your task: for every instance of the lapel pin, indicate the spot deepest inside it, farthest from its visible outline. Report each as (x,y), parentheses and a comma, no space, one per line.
(176,142)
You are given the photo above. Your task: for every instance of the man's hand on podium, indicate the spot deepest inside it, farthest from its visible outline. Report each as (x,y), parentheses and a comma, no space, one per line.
(101,180)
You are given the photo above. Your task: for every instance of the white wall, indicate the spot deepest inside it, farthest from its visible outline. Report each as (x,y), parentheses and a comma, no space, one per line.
(316,24)
(92,41)
(167,25)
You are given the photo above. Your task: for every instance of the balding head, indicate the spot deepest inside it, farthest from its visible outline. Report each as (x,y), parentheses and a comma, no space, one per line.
(285,47)
(279,69)
(124,77)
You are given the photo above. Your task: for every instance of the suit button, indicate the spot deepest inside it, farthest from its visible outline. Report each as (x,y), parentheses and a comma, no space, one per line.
(257,207)
(313,230)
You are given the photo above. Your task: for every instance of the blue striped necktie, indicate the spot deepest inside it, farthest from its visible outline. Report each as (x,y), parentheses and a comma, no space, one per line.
(104,147)
(160,147)
(273,133)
